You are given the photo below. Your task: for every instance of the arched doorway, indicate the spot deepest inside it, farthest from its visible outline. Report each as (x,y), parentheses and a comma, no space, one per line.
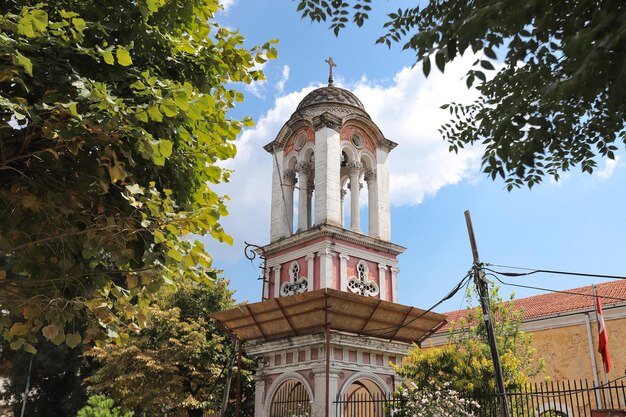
(364,398)
(291,399)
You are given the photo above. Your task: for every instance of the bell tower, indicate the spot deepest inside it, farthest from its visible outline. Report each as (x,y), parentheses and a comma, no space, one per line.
(329,326)
(330,168)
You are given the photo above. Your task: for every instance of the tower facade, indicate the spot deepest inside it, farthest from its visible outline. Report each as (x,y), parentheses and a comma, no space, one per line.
(330,169)
(329,327)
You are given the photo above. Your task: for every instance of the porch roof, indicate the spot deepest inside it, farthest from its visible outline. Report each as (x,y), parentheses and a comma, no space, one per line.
(308,313)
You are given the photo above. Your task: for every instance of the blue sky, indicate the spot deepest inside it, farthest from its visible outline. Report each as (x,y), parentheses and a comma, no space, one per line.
(577,224)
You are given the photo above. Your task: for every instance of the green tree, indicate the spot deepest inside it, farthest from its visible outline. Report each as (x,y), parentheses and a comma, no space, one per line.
(56,372)
(465,362)
(178,363)
(558,97)
(101,406)
(113,117)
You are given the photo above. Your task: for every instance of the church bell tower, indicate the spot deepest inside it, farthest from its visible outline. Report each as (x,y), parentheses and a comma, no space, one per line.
(329,326)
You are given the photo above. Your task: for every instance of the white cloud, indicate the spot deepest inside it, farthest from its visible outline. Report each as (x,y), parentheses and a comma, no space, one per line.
(257,88)
(406,110)
(609,168)
(280,85)
(227,4)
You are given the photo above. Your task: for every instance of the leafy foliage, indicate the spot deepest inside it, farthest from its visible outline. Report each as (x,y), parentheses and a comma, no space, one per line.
(178,362)
(556,95)
(101,406)
(465,362)
(57,372)
(113,117)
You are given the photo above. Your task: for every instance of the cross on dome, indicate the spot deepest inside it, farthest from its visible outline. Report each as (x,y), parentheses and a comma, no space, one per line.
(331,64)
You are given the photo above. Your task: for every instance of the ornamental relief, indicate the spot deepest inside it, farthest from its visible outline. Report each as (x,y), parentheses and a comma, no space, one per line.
(360,284)
(296,283)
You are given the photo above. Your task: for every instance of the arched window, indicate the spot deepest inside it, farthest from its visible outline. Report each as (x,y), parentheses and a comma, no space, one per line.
(296,283)
(291,399)
(360,284)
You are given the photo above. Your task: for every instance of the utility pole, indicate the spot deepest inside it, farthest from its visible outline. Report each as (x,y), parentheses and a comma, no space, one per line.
(483,293)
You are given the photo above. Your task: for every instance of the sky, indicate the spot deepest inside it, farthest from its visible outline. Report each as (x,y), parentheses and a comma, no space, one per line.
(577,224)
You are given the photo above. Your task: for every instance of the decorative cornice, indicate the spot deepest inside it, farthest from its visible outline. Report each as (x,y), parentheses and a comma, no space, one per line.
(329,230)
(327,119)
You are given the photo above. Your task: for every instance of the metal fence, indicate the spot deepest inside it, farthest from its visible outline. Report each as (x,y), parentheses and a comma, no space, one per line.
(365,405)
(549,399)
(555,399)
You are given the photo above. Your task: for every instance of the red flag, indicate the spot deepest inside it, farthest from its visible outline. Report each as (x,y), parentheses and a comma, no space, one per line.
(603,337)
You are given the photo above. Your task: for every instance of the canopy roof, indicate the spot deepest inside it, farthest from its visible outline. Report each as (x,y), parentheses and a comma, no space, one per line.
(307,313)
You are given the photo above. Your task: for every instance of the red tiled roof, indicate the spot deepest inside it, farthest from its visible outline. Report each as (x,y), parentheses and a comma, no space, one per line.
(612,292)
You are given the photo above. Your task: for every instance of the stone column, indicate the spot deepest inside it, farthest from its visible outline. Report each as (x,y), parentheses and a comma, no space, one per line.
(319,404)
(303,169)
(278,226)
(343,198)
(327,165)
(289,181)
(394,283)
(259,395)
(343,271)
(309,204)
(266,284)
(326,268)
(310,258)
(372,202)
(384,198)
(382,281)
(276,281)
(355,218)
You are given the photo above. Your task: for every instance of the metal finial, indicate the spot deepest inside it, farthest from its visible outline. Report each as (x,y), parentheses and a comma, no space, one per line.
(331,64)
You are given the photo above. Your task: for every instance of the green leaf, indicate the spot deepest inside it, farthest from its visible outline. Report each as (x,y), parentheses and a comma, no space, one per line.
(39,19)
(73,339)
(29,348)
(142,116)
(108,57)
(168,108)
(155,114)
(426,65)
(123,56)
(79,24)
(440,60)
(165,147)
(25,27)
(25,63)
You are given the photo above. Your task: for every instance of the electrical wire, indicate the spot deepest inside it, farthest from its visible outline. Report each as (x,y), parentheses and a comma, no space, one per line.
(452,293)
(548,271)
(493,274)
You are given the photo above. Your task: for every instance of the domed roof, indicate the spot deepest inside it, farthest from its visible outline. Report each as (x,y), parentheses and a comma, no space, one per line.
(329,95)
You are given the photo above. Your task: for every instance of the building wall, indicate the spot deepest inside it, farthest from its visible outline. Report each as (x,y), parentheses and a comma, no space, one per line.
(563,342)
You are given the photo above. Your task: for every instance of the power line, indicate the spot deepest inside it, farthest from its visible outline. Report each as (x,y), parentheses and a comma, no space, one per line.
(450,294)
(549,271)
(493,274)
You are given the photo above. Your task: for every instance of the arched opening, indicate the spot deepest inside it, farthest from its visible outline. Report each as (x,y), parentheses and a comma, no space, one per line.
(350,173)
(291,399)
(363,398)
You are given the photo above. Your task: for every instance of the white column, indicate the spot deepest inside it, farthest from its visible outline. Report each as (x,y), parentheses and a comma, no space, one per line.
(382,281)
(343,271)
(319,405)
(266,284)
(276,281)
(327,181)
(394,283)
(384,199)
(326,268)
(309,270)
(289,181)
(303,169)
(355,188)
(372,202)
(309,205)
(278,225)
(343,198)
(259,396)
